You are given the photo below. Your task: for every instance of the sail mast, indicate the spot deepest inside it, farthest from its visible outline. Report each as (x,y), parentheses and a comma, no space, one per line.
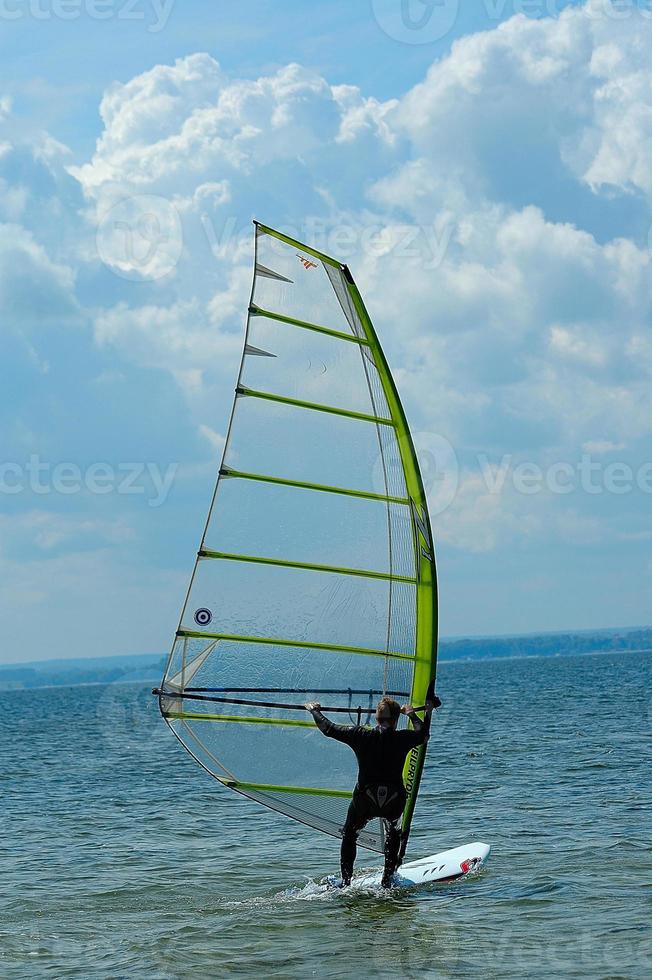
(423,682)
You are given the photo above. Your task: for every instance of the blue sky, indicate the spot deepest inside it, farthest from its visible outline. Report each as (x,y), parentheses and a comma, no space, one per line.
(485,175)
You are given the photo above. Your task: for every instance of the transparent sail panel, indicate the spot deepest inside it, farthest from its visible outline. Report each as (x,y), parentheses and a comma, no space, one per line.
(300,287)
(283,674)
(250,599)
(307,585)
(253,517)
(322,814)
(304,364)
(302,445)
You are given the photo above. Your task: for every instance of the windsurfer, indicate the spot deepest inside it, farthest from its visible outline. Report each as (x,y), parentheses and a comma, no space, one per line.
(379,792)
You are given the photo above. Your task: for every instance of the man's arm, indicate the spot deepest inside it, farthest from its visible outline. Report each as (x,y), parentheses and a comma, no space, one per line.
(422,727)
(341,733)
(319,719)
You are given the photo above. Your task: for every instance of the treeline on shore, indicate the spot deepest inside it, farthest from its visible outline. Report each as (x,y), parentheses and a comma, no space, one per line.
(547,644)
(148,668)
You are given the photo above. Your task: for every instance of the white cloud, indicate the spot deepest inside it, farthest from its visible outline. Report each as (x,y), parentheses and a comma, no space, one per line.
(601,446)
(48,532)
(571,345)
(498,317)
(181,339)
(169,126)
(482,518)
(35,290)
(361,114)
(575,89)
(216,439)
(212,194)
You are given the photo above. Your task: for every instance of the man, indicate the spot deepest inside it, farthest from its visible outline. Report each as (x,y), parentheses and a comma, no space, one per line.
(379,791)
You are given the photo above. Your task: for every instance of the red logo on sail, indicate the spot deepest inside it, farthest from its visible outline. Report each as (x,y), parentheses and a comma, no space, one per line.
(306,263)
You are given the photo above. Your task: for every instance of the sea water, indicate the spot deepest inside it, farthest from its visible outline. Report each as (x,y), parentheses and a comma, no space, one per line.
(120,857)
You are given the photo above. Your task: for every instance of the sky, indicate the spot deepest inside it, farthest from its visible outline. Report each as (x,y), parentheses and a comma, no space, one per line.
(483,169)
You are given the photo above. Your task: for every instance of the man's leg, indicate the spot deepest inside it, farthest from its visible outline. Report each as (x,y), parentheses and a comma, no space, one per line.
(392,847)
(355,821)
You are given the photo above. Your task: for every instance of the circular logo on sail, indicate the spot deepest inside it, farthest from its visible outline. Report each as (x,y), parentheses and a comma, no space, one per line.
(203,617)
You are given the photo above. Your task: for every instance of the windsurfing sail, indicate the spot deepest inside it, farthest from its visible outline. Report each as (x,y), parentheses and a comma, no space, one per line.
(315,578)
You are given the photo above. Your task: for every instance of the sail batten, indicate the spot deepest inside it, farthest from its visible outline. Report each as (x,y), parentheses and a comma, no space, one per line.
(306,566)
(312,406)
(315,575)
(303,644)
(318,328)
(345,491)
(300,790)
(236,719)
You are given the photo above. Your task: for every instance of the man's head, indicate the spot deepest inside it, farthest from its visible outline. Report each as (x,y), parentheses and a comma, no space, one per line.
(387,714)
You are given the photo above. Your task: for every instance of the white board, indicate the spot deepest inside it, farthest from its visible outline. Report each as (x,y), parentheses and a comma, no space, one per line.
(445,866)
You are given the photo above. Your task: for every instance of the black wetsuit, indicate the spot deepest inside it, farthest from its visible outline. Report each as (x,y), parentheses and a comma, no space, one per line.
(379,791)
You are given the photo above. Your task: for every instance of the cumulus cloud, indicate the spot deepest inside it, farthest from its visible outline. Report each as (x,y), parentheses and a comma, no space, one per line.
(569,92)
(481,517)
(35,290)
(171,123)
(361,114)
(55,533)
(181,339)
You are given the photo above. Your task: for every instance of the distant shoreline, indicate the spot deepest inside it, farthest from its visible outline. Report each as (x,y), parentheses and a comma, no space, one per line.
(540,656)
(147,669)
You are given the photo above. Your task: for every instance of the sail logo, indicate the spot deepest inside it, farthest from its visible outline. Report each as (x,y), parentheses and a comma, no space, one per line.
(306,263)
(424,531)
(203,617)
(412,771)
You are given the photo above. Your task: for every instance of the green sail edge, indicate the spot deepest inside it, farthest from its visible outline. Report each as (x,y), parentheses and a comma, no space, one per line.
(427,605)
